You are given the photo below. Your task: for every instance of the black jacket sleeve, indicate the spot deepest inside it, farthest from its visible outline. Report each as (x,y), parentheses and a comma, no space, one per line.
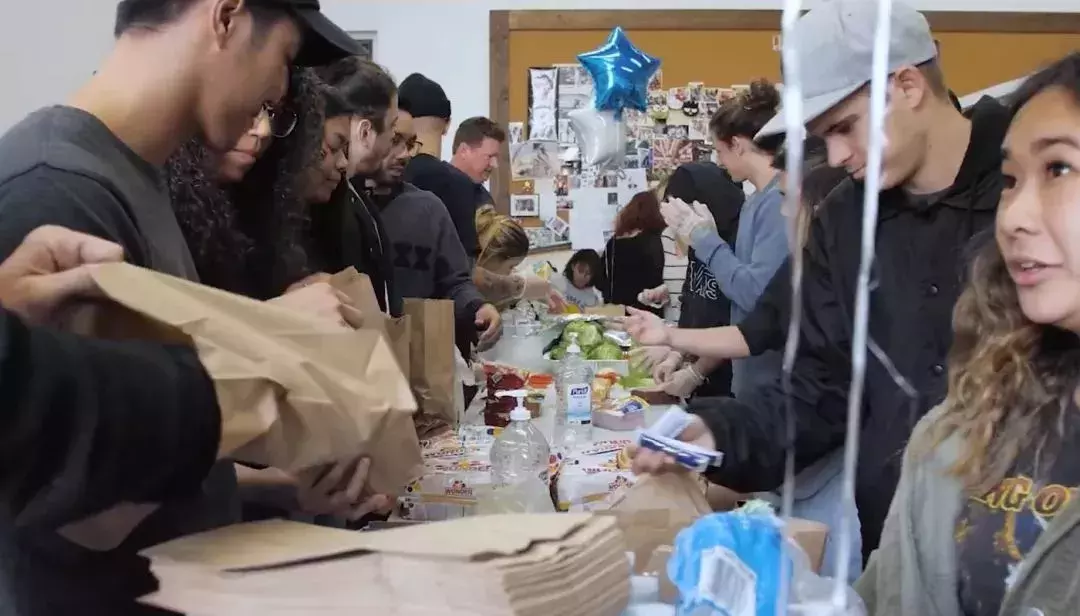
(752,432)
(766,327)
(85,424)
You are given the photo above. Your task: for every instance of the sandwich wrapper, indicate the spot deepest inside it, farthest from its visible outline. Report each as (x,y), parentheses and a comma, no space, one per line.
(295,392)
(521,564)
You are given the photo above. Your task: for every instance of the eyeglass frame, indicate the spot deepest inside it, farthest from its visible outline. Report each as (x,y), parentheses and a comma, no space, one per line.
(271,113)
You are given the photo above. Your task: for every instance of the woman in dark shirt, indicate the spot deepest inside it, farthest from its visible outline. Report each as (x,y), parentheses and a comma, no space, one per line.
(634,257)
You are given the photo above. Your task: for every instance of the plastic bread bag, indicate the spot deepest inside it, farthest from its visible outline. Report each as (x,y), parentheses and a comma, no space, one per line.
(734,563)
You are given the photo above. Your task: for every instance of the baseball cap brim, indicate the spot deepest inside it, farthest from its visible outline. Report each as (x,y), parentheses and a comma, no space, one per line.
(324,41)
(813,108)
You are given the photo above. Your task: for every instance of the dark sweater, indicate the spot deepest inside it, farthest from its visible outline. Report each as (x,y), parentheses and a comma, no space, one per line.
(632,265)
(428,260)
(457,191)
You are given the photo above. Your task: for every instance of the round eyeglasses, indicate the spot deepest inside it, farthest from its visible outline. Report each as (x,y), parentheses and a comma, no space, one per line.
(282,120)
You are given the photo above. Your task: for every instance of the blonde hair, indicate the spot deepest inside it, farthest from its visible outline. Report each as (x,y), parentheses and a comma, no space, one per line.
(501,238)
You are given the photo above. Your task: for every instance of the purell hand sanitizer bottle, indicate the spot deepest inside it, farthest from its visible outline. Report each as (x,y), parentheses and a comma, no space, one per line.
(573,420)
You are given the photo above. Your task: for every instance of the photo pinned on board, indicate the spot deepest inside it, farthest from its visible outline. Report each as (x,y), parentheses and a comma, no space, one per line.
(558,226)
(524,206)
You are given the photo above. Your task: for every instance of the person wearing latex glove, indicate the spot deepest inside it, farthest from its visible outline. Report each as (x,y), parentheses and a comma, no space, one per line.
(656,297)
(683,382)
(684,218)
(663,371)
(648,357)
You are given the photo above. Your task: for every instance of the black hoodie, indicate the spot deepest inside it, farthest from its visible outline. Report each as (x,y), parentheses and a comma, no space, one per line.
(920,264)
(703,303)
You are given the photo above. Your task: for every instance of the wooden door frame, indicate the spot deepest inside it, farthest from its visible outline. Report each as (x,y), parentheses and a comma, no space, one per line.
(502,23)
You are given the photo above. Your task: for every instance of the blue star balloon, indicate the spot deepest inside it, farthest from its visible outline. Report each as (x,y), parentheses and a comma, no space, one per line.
(620,72)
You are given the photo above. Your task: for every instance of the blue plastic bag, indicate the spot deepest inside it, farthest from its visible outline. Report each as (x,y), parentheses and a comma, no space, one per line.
(730,564)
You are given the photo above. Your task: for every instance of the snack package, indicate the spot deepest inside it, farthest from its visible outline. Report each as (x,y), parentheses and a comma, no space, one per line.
(593,477)
(456,469)
(623,415)
(501,377)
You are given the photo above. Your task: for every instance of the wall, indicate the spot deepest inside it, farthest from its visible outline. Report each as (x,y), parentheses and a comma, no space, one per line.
(50,46)
(448,41)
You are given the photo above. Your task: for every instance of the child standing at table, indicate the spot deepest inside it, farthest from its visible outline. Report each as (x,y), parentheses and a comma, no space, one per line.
(579,280)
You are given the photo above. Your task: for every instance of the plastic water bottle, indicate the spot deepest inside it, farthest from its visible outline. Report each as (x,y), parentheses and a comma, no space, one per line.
(573,419)
(519,463)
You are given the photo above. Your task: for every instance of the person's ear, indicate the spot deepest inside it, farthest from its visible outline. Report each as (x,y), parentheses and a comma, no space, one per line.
(363,130)
(224,20)
(908,87)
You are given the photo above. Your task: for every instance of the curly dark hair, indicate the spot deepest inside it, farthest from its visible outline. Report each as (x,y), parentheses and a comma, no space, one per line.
(248,238)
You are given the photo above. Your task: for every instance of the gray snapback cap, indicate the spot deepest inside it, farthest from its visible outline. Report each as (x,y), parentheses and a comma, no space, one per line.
(836,49)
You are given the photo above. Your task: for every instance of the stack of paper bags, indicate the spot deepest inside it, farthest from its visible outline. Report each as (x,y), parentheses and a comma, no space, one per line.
(542,565)
(295,393)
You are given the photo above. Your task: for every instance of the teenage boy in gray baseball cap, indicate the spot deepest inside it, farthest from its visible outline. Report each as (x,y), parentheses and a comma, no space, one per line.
(942,181)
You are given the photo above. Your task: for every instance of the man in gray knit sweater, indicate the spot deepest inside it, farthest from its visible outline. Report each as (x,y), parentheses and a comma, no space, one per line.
(429,260)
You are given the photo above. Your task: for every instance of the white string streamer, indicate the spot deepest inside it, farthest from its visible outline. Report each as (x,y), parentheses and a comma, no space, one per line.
(878,109)
(793,121)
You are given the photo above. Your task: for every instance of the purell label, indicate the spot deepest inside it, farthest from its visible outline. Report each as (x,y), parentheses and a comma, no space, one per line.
(579,404)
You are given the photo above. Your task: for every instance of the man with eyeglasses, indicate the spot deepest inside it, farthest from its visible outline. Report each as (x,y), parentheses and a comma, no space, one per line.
(94,165)
(429,261)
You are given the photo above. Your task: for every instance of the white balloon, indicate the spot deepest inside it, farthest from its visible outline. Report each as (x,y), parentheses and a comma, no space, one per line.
(601,137)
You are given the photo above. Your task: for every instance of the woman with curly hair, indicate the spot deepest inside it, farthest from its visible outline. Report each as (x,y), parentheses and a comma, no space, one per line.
(244,216)
(985,519)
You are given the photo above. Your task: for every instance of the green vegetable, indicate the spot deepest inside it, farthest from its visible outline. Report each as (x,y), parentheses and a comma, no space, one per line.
(637,379)
(589,334)
(559,351)
(606,351)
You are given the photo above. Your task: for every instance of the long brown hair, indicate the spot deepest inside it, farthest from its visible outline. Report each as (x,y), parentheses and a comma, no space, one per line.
(642,213)
(1010,380)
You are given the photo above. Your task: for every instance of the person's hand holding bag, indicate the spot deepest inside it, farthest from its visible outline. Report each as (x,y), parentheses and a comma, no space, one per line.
(663,371)
(51,266)
(319,300)
(340,491)
(656,297)
(647,461)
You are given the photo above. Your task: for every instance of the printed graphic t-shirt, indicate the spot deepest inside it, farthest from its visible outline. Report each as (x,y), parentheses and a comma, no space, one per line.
(996,531)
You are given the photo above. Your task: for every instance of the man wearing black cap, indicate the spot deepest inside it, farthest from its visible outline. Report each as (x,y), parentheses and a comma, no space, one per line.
(94,165)
(426,102)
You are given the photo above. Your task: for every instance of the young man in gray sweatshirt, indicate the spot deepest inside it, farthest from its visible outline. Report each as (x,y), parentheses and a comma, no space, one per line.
(429,260)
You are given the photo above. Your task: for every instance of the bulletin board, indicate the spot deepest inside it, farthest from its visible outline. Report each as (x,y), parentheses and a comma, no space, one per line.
(724,47)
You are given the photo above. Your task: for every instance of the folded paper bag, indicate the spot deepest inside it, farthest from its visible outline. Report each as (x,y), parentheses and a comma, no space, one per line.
(294,392)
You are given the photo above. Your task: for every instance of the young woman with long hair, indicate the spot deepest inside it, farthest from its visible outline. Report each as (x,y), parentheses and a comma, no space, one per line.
(985,519)
(634,256)
(241,212)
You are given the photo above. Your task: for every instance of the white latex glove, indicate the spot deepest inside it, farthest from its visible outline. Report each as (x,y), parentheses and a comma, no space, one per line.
(663,372)
(655,298)
(649,357)
(682,218)
(683,382)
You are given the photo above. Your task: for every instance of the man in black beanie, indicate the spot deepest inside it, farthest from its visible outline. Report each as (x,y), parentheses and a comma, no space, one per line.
(426,102)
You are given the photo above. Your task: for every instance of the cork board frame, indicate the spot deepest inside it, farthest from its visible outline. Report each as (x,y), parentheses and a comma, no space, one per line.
(963,35)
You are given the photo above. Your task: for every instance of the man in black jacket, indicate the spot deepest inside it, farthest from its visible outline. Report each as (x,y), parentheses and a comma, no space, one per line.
(941,183)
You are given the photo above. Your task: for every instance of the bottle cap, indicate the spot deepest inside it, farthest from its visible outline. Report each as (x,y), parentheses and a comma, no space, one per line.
(520,412)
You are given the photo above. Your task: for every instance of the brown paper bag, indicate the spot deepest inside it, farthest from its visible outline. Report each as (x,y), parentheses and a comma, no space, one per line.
(432,371)
(655,509)
(359,289)
(295,393)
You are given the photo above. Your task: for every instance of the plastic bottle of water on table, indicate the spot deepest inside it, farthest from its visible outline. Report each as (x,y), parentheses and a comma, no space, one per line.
(519,465)
(573,419)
